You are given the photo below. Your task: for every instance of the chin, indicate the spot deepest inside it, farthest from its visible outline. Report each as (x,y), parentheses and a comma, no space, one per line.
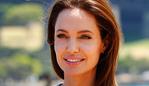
(72,72)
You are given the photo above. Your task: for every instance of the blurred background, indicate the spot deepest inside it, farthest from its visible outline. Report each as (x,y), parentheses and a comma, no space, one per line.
(24,52)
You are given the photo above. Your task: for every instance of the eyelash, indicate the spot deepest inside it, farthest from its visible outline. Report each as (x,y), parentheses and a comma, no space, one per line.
(85,37)
(61,36)
(81,37)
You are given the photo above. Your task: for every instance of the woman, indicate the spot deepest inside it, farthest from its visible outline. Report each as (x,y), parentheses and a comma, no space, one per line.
(84,41)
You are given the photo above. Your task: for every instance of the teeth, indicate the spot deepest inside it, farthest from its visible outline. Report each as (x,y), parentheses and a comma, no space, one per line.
(73,60)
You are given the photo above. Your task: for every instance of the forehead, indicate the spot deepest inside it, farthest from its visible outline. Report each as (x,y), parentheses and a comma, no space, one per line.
(75,19)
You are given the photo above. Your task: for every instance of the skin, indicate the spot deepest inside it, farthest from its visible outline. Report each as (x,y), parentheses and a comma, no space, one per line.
(77,37)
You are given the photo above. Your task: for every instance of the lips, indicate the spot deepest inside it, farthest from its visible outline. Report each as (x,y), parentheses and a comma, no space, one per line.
(73,58)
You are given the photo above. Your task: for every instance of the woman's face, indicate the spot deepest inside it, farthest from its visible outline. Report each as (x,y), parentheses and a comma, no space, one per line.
(77,42)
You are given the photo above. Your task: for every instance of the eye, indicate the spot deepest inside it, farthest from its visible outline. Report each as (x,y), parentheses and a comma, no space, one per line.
(85,37)
(62,36)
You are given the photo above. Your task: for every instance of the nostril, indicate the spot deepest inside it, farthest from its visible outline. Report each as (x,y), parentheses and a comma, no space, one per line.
(72,48)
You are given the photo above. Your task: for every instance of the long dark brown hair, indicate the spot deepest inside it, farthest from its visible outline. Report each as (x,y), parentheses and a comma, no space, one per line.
(110,33)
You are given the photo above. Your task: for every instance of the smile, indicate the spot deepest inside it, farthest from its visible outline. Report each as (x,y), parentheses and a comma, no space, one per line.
(73,60)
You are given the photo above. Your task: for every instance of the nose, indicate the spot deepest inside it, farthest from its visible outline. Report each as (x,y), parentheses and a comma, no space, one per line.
(72,46)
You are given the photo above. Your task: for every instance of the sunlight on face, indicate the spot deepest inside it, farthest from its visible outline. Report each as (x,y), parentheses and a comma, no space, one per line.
(77,42)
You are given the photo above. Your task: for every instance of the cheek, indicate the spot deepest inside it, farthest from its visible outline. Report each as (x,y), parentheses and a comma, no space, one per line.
(94,47)
(92,50)
(59,43)
(59,49)
(59,46)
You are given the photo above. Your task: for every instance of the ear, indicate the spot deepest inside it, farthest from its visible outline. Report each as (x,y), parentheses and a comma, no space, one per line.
(104,45)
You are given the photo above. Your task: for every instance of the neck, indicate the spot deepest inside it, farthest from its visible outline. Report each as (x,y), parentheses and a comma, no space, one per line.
(86,79)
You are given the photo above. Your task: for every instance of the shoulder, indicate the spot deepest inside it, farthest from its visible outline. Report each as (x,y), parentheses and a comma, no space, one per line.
(60,84)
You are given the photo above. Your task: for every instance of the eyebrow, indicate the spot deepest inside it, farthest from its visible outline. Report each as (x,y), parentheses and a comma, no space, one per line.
(82,31)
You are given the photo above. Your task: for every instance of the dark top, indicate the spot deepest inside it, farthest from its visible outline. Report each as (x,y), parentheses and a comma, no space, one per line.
(61,84)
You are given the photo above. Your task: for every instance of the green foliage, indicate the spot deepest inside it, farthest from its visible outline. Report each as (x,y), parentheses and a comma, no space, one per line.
(23,13)
(138,44)
(130,65)
(3,71)
(5,7)
(128,62)
(19,66)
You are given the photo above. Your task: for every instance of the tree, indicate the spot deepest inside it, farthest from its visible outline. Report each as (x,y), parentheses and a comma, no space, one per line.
(23,13)
(19,66)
